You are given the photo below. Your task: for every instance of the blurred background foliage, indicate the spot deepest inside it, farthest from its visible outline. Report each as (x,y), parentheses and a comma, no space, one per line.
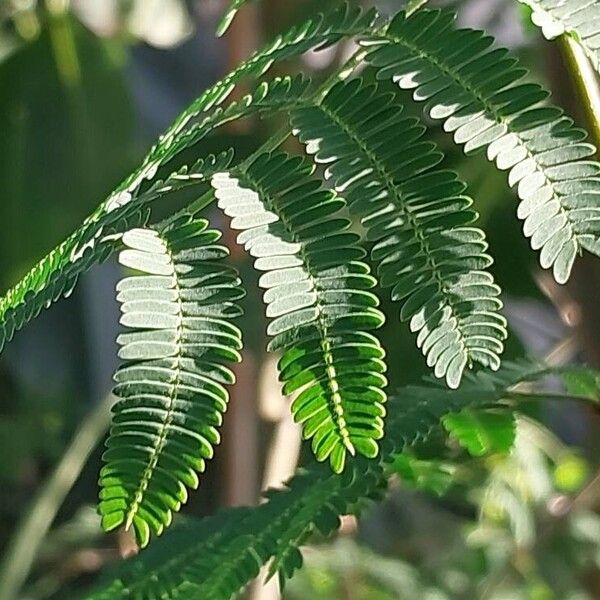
(85,86)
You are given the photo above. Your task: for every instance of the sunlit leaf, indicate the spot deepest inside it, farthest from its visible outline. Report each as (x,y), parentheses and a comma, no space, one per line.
(482,431)
(318,299)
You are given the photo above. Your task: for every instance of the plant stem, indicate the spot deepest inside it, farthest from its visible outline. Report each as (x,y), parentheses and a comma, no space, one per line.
(525,396)
(275,140)
(586,84)
(23,548)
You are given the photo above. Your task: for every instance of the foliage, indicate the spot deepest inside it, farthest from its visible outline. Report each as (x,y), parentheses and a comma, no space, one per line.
(170,389)
(579,20)
(482,432)
(230,14)
(318,299)
(477,92)
(221,554)
(419,220)
(322,299)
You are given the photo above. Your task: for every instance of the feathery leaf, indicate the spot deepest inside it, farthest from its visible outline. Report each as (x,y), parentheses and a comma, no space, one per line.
(318,300)
(417,214)
(217,556)
(171,389)
(56,274)
(477,91)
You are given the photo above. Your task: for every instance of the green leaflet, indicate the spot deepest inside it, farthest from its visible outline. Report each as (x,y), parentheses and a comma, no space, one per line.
(170,391)
(217,556)
(476,91)
(419,219)
(583,383)
(318,299)
(234,7)
(579,19)
(482,431)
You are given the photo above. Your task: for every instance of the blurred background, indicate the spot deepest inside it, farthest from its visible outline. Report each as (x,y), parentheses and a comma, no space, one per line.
(85,87)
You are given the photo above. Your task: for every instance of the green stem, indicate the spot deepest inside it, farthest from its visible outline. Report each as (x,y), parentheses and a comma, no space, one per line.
(282,134)
(525,396)
(29,534)
(586,84)
(64,49)
(275,140)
